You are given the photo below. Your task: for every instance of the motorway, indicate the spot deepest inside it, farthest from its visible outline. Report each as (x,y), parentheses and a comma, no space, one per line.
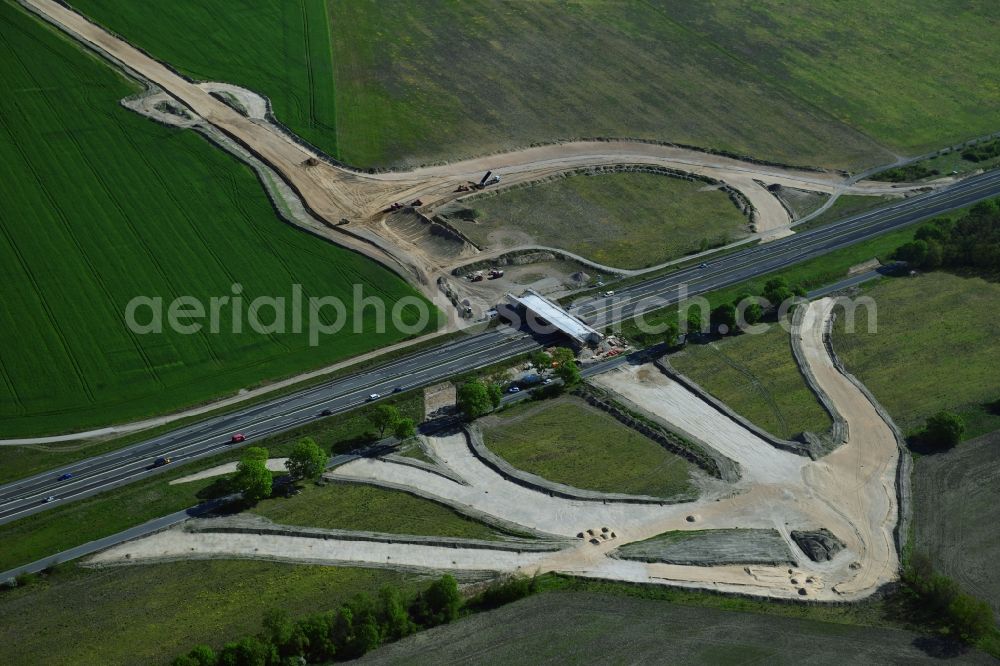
(212,435)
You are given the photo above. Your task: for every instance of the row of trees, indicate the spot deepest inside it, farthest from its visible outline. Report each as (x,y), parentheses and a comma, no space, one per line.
(478,397)
(748,308)
(388,419)
(982,152)
(973,241)
(253,478)
(355,628)
(937,601)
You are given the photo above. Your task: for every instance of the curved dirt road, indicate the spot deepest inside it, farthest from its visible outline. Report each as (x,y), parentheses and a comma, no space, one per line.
(334,193)
(851,492)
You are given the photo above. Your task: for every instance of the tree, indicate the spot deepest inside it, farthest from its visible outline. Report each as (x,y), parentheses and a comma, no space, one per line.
(777,291)
(913,253)
(392,614)
(566,367)
(495,393)
(969,618)
(695,321)
(404,428)
(256,452)
(342,629)
(307,460)
(285,635)
(473,399)
(934,257)
(443,600)
(753,311)
(367,634)
(724,319)
(438,604)
(320,639)
(383,417)
(563,355)
(541,360)
(201,655)
(253,478)
(672,336)
(250,651)
(569,373)
(944,430)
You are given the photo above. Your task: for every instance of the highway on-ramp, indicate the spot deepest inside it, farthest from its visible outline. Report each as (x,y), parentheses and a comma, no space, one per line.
(212,435)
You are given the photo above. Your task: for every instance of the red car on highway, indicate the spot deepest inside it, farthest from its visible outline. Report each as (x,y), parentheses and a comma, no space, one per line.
(237,438)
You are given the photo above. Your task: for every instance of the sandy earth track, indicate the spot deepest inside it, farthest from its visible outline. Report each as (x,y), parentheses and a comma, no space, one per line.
(334,193)
(850,492)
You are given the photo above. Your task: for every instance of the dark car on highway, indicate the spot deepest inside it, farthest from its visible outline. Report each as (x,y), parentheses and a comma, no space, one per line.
(65,477)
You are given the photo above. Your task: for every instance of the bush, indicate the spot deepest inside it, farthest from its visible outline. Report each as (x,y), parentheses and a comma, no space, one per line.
(356,628)
(938,601)
(505,592)
(943,430)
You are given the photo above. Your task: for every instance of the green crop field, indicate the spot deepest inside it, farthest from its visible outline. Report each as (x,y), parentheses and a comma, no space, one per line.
(350,506)
(583,627)
(148,614)
(101,205)
(823,84)
(568,441)
(757,376)
(625,220)
(955,513)
(935,347)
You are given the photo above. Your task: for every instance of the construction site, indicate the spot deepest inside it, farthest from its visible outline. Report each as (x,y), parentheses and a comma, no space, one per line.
(533,435)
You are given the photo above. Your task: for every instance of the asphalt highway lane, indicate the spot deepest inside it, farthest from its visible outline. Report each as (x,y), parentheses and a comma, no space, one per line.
(212,435)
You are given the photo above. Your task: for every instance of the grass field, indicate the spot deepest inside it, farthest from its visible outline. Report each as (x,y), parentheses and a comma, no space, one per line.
(62,527)
(800,202)
(578,627)
(626,220)
(148,614)
(955,513)
(757,376)
(567,441)
(349,506)
(416,82)
(935,348)
(100,206)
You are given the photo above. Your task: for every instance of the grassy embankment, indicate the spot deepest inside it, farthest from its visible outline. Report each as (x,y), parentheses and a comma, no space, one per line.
(757,376)
(625,220)
(935,347)
(129,208)
(349,506)
(567,441)
(148,614)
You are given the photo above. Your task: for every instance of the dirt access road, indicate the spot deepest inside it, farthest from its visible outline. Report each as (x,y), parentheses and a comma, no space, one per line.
(334,193)
(851,492)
